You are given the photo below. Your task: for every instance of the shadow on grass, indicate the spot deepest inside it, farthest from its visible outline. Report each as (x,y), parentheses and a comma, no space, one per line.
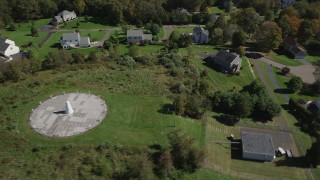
(281,51)
(56,45)
(101,21)
(303,126)
(299,162)
(236,150)
(227,120)
(167,109)
(254,55)
(283,91)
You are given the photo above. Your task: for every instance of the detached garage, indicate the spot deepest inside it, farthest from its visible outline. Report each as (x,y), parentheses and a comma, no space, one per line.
(257,146)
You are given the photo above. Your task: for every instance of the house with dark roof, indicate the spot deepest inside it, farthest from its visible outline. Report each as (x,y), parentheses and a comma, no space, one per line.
(63,17)
(287,3)
(74,40)
(137,36)
(294,48)
(257,146)
(227,61)
(200,35)
(8,48)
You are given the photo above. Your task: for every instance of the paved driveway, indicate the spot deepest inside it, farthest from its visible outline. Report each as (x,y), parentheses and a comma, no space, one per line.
(305,72)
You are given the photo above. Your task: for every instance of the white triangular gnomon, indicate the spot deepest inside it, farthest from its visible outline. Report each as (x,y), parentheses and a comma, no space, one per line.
(68,108)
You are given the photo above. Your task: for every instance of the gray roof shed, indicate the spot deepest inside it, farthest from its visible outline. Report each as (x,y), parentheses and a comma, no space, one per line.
(257,143)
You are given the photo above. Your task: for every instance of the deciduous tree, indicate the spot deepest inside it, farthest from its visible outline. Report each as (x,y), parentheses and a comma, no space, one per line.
(295,84)
(269,36)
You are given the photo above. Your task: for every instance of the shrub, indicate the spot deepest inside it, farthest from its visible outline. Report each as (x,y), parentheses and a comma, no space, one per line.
(126,61)
(285,70)
(176,71)
(295,84)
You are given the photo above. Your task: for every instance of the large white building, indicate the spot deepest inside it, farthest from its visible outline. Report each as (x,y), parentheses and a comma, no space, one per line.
(8,48)
(257,146)
(74,40)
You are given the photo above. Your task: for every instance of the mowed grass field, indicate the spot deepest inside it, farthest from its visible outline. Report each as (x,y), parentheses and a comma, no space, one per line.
(283,59)
(227,81)
(225,159)
(53,44)
(91,24)
(313,60)
(216,10)
(134,101)
(22,35)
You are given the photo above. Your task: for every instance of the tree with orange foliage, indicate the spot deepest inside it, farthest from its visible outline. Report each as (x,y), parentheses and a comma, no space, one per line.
(294,22)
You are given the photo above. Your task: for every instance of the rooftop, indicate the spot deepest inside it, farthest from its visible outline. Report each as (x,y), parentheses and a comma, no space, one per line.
(200,29)
(4,46)
(257,143)
(135,32)
(71,36)
(228,57)
(65,12)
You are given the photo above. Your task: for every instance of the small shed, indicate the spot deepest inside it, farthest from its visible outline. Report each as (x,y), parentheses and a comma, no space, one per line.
(257,146)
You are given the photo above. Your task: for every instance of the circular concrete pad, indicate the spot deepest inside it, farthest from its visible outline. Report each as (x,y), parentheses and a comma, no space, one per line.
(49,118)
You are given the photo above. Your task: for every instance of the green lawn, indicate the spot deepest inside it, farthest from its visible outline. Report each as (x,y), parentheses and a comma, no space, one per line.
(313,59)
(161,33)
(184,29)
(282,80)
(94,35)
(283,59)
(219,158)
(216,10)
(72,25)
(53,44)
(227,81)
(198,49)
(134,102)
(22,35)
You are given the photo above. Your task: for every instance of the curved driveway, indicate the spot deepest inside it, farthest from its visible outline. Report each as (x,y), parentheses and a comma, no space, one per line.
(305,72)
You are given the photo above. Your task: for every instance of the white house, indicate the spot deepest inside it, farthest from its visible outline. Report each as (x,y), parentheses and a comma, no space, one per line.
(200,35)
(8,48)
(63,16)
(137,36)
(74,40)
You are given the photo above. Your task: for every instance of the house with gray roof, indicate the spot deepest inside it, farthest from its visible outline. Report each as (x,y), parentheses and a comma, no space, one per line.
(294,48)
(63,17)
(8,48)
(200,35)
(257,146)
(227,61)
(137,36)
(74,40)
(287,3)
